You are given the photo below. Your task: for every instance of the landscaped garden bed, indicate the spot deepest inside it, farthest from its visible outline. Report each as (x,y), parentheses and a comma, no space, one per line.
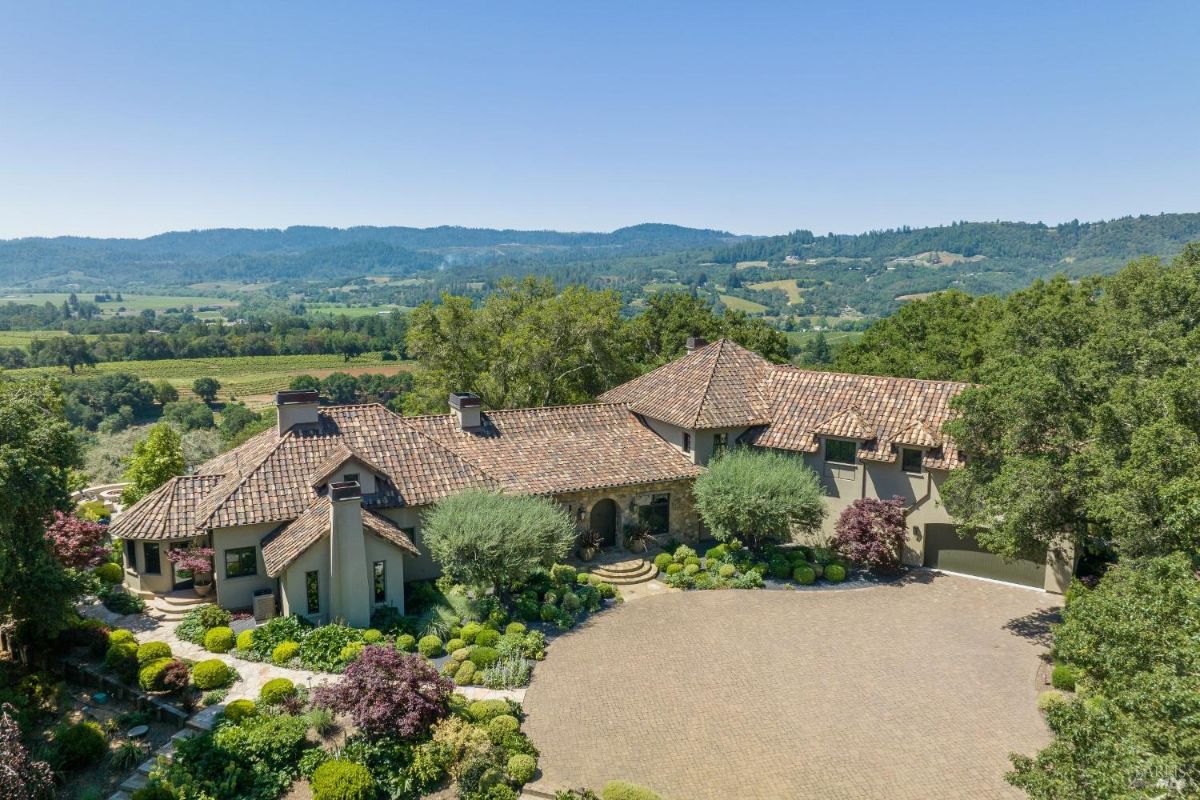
(731,566)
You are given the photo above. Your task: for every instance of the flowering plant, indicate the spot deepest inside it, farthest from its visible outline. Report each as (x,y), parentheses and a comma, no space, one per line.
(196,560)
(76,543)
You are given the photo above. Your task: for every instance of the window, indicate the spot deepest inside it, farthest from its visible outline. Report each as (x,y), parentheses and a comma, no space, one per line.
(656,515)
(130,554)
(718,444)
(153,566)
(380,573)
(910,460)
(312,591)
(411,533)
(687,442)
(350,477)
(241,561)
(840,451)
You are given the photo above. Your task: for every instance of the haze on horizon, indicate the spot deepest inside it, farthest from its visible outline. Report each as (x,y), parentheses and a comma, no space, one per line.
(131,119)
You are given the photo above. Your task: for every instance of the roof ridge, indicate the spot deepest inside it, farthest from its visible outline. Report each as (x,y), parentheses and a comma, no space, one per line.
(243,478)
(720,343)
(524,409)
(454,453)
(832,372)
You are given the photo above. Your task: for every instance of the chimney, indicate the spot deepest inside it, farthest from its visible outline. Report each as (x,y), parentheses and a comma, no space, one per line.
(465,406)
(694,343)
(349,578)
(296,408)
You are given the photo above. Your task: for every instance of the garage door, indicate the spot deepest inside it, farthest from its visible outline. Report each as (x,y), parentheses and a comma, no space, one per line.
(944,549)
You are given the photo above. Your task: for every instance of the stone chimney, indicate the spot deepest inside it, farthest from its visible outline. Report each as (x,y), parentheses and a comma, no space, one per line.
(349,578)
(296,408)
(465,407)
(694,343)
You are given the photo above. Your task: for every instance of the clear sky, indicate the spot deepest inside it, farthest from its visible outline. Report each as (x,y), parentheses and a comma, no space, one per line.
(134,118)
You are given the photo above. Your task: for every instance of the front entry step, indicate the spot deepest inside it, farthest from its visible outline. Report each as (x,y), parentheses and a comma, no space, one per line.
(626,573)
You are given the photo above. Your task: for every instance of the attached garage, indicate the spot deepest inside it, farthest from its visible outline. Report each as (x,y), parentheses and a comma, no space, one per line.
(945,549)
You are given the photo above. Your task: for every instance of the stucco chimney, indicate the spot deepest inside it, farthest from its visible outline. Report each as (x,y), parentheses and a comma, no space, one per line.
(465,407)
(694,343)
(296,408)
(348,556)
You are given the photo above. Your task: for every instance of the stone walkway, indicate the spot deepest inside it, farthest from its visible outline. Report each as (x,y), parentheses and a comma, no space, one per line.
(912,690)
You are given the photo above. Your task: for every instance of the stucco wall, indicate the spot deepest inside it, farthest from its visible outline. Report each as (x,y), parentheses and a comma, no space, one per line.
(702,440)
(393,558)
(136,580)
(422,567)
(294,599)
(239,592)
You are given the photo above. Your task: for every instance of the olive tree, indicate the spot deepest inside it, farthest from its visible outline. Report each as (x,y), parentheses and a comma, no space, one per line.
(494,540)
(759,495)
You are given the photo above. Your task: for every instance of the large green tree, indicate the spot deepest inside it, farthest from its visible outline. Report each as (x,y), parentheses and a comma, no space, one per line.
(493,540)
(659,333)
(156,459)
(37,452)
(759,495)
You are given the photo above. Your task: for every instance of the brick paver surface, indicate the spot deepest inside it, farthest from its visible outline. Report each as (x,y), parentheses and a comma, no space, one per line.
(915,690)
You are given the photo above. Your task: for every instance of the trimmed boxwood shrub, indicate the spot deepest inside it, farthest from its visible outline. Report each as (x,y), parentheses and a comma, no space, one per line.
(245,639)
(818,569)
(501,726)
(620,790)
(276,690)
(121,659)
(150,675)
(406,642)
(351,651)
(110,573)
(1047,700)
(515,628)
(521,768)
(120,636)
(430,646)
(563,574)
(674,569)
(372,636)
(342,780)
(682,553)
(717,553)
(465,673)
(488,637)
(470,631)
(485,710)
(691,569)
(835,573)
(455,644)
(219,640)
(780,568)
(484,657)
(211,674)
(1064,677)
(662,561)
(80,745)
(152,651)
(727,570)
(285,652)
(804,575)
(238,710)
(461,654)
(691,561)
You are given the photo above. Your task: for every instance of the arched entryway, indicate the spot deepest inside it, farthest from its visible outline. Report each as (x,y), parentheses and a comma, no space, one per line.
(603,522)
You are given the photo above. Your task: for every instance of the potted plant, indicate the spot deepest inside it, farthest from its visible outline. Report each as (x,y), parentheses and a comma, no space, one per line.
(636,540)
(196,562)
(588,545)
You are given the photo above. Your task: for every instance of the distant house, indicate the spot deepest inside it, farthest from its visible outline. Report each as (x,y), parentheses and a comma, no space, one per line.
(325,510)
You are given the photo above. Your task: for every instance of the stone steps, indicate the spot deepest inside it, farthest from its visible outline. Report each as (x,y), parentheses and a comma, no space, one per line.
(142,776)
(626,573)
(172,607)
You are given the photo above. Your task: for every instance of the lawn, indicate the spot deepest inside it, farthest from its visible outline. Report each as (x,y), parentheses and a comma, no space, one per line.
(250,378)
(742,304)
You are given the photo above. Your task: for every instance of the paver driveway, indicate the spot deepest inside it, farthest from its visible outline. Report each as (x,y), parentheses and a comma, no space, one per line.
(915,690)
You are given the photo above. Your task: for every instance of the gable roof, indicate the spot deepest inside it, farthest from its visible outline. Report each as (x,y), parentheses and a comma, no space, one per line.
(335,460)
(167,512)
(284,545)
(715,386)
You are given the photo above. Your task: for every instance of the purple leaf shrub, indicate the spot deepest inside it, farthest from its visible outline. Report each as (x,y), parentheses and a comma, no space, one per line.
(76,543)
(871,532)
(21,778)
(388,693)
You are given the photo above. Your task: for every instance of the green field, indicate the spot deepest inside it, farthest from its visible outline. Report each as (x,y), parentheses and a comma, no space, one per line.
(662,286)
(23,338)
(249,378)
(788,285)
(801,338)
(741,304)
(133,303)
(352,311)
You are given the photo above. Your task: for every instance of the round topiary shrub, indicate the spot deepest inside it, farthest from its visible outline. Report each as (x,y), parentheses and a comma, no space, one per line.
(563,574)
(430,646)
(470,631)
(342,780)
(406,643)
(276,690)
(817,569)
(211,674)
(110,573)
(285,652)
(245,640)
(455,644)
(715,554)
(120,636)
(219,640)
(150,675)
(122,660)
(607,590)
(691,569)
(682,553)
(571,603)
(662,561)
(835,573)
(465,673)
(727,570)
(515,628)
(674,569)
(238,710)
(620,790)
(152,651)
(488,637)
(501,726)
(1048,699)
(804,575)
(548,612)
(372,636)
(780,568)
(80,745)
(1064,677)
(461,654)
(484,657)
(691,561)
(350,652)
(485,710)
(521,768)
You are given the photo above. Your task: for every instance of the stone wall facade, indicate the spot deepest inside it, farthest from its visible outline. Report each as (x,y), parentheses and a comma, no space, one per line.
(683,521)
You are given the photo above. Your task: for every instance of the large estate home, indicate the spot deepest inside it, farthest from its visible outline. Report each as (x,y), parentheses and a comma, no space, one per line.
(323,513)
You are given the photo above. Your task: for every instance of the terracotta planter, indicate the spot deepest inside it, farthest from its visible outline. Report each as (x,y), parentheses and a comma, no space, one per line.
(203,589)
(587,553)
(637,546)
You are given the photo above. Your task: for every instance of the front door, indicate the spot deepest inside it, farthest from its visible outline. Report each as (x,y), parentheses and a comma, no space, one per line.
(603,522)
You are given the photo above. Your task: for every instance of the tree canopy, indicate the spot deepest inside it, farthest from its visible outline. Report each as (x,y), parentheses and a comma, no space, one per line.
(156,459)
(496,540)
(759,495)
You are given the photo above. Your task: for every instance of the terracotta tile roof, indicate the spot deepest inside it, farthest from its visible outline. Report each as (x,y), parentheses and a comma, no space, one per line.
(167,512)
(340,455)
(848,423)
(918,434)
(560,449)
(284,545)
(717,386)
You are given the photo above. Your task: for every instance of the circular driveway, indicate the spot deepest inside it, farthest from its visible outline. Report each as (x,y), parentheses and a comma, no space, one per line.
(914,690)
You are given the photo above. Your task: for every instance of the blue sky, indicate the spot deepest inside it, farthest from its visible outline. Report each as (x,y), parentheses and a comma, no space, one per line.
(133,118)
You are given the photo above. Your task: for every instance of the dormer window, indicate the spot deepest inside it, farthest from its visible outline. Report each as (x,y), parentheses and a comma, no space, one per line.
(910,460)
(350,477)
(841,451)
